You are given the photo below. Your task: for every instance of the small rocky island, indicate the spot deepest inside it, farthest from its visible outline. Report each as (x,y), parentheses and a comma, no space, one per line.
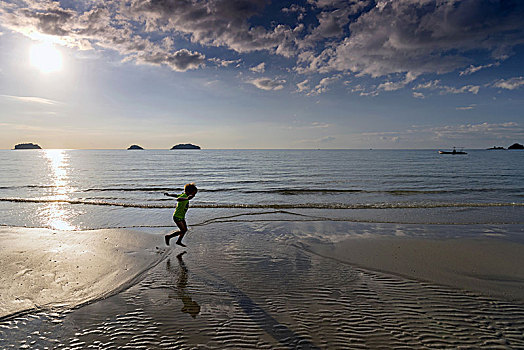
(516,146)
(185,146)
(27,146)
(135,147)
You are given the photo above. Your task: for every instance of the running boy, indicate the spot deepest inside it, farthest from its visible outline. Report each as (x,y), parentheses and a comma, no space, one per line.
(179,216)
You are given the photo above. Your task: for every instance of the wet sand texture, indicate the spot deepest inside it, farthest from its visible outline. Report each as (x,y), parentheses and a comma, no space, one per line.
(492,267)
(238,287)
(44,268)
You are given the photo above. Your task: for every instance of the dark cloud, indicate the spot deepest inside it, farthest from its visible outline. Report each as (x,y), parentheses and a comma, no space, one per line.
(213,22)
(423,36)
(181,60)
(403,38)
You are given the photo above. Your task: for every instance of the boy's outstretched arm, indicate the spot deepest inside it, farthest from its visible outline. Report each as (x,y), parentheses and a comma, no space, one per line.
(181,199)
(169,195)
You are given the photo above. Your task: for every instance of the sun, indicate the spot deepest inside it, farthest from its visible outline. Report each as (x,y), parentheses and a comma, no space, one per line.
(45,57)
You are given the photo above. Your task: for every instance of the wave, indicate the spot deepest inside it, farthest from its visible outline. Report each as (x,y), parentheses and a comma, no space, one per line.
(415,205)
(288,191)
(299,191)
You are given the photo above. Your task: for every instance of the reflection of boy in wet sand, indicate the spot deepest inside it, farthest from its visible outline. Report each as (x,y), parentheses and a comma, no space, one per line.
(190,306)
(179,216)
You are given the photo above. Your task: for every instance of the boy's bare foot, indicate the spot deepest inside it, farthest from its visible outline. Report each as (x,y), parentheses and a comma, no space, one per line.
(167,238)
(180,243)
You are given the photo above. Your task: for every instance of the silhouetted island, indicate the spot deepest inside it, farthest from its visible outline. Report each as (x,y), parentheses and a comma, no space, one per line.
(496,148)
(27,146)
(132,147)
(516,146)
(185,146)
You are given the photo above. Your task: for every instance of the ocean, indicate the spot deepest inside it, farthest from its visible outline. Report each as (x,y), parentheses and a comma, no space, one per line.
(287,249)
(85,189)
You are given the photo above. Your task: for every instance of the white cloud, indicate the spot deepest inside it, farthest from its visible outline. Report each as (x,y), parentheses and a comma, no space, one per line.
(224,63)
(303,86)
(445,89)
(268,84)
(466,134)
(260,68)
(323,85)
(466,108)
(473,69)
(31,99)
(509,84)
(392,86)
(418,94)
(327,139)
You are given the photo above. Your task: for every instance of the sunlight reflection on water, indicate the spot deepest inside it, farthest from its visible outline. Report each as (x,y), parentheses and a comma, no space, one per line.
(54,214)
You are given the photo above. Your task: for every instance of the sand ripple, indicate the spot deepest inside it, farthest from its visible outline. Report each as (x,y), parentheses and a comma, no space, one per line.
(242,290)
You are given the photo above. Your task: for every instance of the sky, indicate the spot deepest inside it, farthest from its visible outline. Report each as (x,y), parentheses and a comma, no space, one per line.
(262,74)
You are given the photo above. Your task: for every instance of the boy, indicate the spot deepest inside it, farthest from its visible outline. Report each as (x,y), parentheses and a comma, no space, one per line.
(179,216)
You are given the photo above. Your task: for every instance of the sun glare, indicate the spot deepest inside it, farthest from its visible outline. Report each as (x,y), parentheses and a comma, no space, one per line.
(45,57)
(57,214)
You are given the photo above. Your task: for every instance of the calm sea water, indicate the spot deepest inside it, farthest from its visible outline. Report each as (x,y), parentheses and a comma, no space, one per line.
(79,189)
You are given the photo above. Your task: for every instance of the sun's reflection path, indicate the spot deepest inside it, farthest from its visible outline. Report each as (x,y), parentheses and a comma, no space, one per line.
(55,214)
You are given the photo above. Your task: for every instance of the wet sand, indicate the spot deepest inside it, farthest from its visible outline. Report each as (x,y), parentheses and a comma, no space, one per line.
(44,268)
(248,285)
(489,266)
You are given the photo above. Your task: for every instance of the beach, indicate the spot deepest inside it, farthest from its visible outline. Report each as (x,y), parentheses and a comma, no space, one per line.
(246,285)
(274,259)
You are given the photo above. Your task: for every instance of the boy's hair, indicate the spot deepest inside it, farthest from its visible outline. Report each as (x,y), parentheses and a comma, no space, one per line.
(190,188)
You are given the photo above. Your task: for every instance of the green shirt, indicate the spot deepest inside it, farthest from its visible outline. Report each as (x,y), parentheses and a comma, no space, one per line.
(181,208)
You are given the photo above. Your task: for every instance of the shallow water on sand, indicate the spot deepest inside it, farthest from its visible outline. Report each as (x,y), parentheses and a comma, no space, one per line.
(240,286)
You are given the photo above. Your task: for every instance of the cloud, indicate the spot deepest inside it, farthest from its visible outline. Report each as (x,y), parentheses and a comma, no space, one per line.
(224,63)
(320,125)
(418,94)
(268,84)
(180,61)
(214,23)
(422,37)
(31,99)
(509,84)
(303,86)
(469,131)
(392,86)
(473,69)
(261,68)
(445,89)
(466,108)
(464,133)
(327,139)
(377,38)
(323,85)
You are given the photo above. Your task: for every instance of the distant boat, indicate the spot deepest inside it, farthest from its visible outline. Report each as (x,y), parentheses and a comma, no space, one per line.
(452,152)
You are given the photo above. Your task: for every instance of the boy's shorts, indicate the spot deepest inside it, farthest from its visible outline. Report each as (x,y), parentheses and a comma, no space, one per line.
(177,219)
